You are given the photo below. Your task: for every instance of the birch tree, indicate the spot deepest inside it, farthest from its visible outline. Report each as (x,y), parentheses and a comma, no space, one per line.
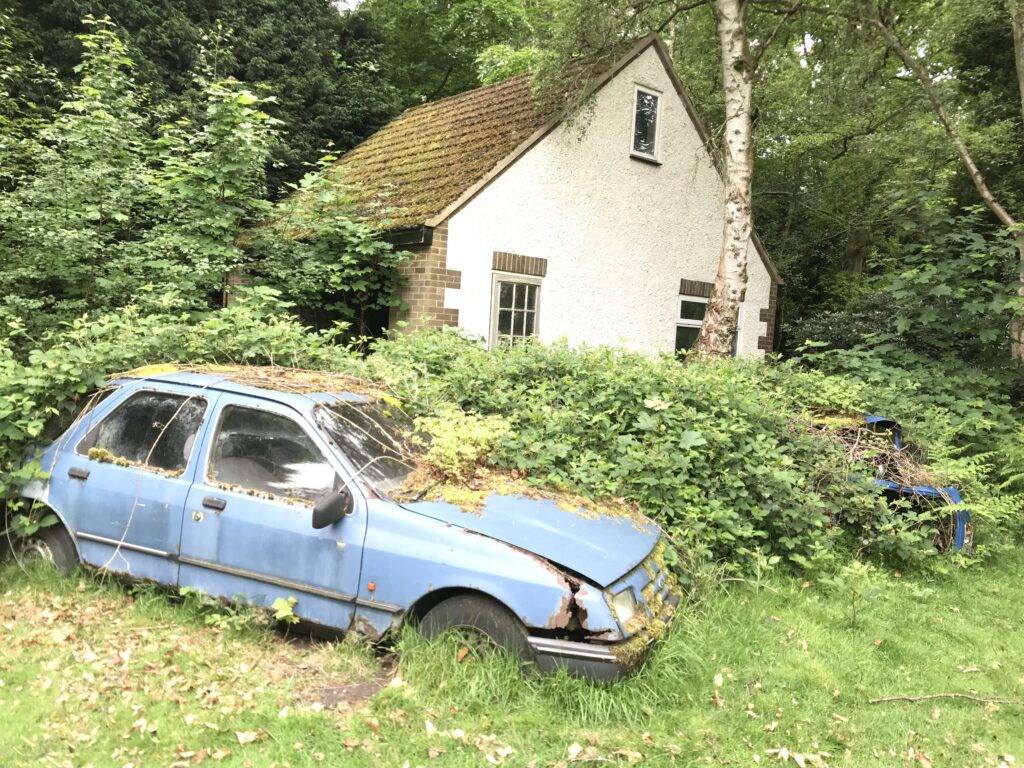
(739,64)
(872,15)
(720,321)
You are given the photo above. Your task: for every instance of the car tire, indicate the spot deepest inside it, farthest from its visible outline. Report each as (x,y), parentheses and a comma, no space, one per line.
(480,615)
(53,543)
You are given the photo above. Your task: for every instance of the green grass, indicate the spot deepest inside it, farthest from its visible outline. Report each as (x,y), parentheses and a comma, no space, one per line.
(96,673)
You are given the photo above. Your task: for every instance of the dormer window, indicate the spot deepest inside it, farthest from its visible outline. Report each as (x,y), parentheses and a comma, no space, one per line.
(646,106)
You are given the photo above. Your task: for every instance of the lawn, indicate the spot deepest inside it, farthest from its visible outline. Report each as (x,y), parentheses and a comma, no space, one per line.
(96,673)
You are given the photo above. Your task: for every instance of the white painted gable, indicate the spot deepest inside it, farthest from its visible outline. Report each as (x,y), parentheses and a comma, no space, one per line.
(618,233)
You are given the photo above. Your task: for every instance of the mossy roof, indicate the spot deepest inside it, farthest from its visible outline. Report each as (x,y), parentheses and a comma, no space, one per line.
(427,157)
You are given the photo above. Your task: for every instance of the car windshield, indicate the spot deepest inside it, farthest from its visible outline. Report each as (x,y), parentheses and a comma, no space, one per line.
(374,435)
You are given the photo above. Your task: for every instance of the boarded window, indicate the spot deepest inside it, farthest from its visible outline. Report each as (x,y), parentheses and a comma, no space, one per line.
(157,429)
(270,453)
(645,123)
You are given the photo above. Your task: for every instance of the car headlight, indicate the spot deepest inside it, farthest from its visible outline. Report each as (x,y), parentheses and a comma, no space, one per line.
(624,604)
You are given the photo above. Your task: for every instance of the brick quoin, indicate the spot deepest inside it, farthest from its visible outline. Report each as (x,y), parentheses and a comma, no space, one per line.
(427,275)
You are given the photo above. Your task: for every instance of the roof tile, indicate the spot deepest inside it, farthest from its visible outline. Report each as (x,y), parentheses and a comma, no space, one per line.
(423,160)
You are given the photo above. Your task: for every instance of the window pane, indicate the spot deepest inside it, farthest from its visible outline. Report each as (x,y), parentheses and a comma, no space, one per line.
(685,337)
(517,323)
(520,295)
(692,310)
(505,322)
(528,326)
(269,453)
(151,428)
(646,119)
(505,297)
(531,296)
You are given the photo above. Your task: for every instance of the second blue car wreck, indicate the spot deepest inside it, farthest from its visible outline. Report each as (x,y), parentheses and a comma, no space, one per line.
(249,484)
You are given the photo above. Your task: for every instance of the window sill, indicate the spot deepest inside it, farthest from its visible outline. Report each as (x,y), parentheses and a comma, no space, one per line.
(645,158)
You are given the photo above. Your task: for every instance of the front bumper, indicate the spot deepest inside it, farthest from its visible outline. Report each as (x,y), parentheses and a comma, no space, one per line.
(599,661)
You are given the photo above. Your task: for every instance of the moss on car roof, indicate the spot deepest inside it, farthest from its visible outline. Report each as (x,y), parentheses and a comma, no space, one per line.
(274,377)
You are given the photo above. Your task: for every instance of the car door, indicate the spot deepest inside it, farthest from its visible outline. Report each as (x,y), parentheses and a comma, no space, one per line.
(247,530)
(125,478)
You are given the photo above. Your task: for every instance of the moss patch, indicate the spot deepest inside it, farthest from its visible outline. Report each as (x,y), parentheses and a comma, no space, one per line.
(106,457)
(471,494)
(275,377)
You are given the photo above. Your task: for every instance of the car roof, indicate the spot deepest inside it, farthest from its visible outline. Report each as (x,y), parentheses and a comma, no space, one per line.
(292,386)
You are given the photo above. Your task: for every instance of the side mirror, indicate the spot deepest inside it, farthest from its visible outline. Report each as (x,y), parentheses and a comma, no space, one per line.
(332,507)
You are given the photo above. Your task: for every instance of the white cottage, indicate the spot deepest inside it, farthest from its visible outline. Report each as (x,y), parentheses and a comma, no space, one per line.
(521,225)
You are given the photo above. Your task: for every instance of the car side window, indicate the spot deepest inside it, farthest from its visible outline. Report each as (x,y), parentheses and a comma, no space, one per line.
(152,429)
(268,453)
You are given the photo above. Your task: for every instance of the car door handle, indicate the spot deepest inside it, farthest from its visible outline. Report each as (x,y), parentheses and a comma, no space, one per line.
(79,473)
(212,502)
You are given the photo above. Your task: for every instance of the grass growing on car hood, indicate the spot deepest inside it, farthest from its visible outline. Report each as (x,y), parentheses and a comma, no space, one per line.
(95,674)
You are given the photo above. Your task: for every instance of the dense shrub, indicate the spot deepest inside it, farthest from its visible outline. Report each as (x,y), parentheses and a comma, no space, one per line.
(51,381)
(720,453)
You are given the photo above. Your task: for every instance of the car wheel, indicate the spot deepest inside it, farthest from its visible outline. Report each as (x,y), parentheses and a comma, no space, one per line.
(480,618)
(52,544)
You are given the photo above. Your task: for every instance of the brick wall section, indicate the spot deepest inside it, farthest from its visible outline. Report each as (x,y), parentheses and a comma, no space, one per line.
(520,265)
(427,276)
(695,288)
(767,342)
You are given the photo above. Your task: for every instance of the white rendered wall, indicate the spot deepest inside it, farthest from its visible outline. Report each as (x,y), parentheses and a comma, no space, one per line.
(618,233)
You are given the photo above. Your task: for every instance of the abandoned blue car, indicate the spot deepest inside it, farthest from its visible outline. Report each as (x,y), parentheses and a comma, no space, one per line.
(253,484)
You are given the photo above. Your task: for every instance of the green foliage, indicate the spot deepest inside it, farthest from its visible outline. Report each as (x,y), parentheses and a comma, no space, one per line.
(719,453)
(322,257)
(459,442)
(431,46)
(858,581)
(236,617)
(941,285)
(284,610)
(111,215)
(502,61)
(325,66)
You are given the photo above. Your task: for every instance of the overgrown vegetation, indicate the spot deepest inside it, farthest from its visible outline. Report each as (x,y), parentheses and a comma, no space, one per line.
(103,209)
(751,669)
(723,454)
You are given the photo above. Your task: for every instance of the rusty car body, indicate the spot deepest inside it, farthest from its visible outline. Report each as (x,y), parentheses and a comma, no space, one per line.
(198,479)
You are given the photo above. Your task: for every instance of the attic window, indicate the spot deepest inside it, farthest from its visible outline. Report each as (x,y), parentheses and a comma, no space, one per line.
(646,105)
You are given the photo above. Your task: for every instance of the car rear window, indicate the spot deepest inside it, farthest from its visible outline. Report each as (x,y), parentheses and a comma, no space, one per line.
(155,429)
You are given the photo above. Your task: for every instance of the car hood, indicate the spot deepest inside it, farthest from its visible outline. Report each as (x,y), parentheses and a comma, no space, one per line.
(599,547)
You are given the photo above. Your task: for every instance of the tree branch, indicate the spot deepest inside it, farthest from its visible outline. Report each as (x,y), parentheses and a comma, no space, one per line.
(755,59)
(874,19)
(930,696)
(678,10)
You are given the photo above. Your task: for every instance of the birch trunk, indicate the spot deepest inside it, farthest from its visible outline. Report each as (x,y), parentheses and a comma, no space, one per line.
(1016,8)
(917,68)
(720,321)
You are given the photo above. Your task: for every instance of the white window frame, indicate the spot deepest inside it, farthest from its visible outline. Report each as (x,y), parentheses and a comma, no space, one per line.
(655,156)
(681,323)
(512,277)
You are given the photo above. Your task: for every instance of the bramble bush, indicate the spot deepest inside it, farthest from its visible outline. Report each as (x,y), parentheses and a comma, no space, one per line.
(718,452)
